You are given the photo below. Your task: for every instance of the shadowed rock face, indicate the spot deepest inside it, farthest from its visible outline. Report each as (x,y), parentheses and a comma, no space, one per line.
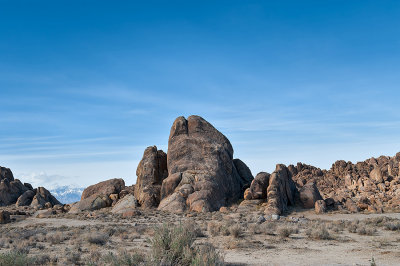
(151,171)
(258,188)
(6,173)
(202,175)
(10,191)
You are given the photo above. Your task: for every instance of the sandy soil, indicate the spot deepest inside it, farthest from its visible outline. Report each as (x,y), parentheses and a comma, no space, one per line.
(63,237)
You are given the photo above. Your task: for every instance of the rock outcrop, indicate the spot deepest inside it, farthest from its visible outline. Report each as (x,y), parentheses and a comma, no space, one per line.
(151,171)
(202,175)
(281,191)
(13,191)
(10,190)
(372,185)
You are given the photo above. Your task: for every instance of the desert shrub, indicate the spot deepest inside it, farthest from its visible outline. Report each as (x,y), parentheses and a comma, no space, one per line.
(73,258)
(269,227)
(352,227)
(213,228)
(15,259)
(254,229)
(207,255)
(286,231)
(123,258)
(318,233)
(366,231)
(392,226)
(56,238)
(98,238)
(173,245)
(235,230)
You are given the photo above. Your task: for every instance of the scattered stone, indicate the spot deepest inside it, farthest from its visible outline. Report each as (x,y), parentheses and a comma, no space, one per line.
(275,217)
(45,213)
(261,219)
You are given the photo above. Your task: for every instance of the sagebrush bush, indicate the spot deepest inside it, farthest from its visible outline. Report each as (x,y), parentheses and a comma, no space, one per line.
(173,245)
(235,230)
(123,258)
(286,231)
(319,233)
(98,238)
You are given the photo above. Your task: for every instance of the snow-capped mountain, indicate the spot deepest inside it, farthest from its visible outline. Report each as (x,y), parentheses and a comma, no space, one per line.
(67,194)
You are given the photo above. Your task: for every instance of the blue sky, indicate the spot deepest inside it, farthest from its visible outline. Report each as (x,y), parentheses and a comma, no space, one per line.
(85,86)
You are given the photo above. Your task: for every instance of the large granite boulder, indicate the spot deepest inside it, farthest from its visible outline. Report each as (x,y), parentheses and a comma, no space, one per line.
(309,194)
(151,171)
(108,187)
(258,188)
(202,175)
(281,191)
(26,198)
(128,202)
(91,203)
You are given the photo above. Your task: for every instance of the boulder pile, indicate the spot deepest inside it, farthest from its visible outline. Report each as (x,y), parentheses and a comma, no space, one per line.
(12,191)
(372,185)
(199,174)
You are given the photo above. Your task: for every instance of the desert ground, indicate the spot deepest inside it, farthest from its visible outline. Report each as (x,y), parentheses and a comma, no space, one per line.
(241,236)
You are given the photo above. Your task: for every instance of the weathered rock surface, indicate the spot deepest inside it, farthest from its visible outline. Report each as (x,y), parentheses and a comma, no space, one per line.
(151,172)
(105,188)
(26,198)
(202,175)
(309,194)
(128,202)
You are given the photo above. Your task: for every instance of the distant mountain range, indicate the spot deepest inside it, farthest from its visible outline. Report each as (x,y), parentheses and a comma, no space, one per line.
(67,194)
